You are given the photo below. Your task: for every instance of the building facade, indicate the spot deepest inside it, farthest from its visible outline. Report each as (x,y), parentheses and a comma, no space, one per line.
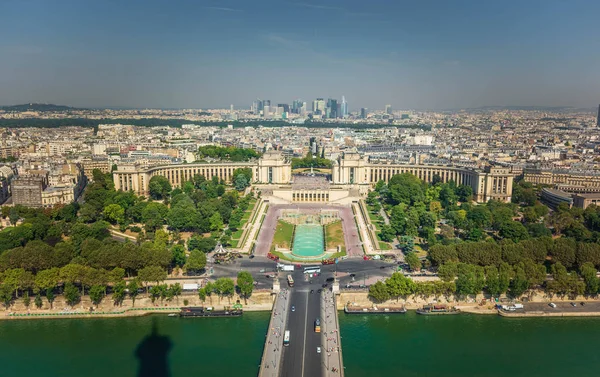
(27,190)
(569,181)
(349,172)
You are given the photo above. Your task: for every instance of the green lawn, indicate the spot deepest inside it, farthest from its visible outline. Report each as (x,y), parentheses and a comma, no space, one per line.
(384,246)
(283,234)
(237,234)
(334,234)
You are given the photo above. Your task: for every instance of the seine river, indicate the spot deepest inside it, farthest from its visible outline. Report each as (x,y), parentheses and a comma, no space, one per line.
(403,345)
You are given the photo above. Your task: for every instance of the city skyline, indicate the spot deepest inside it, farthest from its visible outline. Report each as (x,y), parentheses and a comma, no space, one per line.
(211,55)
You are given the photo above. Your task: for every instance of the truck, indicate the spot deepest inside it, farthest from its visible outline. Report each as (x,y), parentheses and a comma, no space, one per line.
(190,287)
(287,267)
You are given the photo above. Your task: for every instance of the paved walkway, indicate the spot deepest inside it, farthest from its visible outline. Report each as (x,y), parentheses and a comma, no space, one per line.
(332,346)
(273,350)
(255,227)
(362,227)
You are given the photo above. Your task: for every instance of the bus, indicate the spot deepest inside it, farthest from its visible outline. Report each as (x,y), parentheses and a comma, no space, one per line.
(290,280)
(317,325)
(286,338)
(312,270)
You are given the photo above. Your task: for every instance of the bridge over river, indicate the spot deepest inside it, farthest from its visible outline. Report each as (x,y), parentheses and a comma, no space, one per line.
(295,310)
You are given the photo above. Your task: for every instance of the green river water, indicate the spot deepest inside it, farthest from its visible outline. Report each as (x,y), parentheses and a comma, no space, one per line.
(402,345)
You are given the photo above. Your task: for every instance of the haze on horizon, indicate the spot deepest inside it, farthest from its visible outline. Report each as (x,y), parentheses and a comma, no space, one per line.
(209,54)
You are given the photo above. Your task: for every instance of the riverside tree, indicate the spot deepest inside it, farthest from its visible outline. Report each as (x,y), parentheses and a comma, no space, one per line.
(378,292)
(245,283)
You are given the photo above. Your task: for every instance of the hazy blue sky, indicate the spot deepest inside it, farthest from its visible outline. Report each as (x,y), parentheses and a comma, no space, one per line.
(204,54)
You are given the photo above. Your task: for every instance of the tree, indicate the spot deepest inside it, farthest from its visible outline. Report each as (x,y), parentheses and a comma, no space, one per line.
(175,290)
(119,291)
(405,188)
(159,187)
(152,273)
(178,255)
(378,292)
(50,296)
(6,295)
(71,294)
(245,283)
(399,285)
(225,287)
(241,182)
(588,273)
(153,215)
(413,261)
(204,244)
(202,294)
(216,222)
(133,287)
(209,289)
(387,233)
(196,261)
(114,214)
(97,294)
(38,301)
(513,230)
(519,284)
(26,300)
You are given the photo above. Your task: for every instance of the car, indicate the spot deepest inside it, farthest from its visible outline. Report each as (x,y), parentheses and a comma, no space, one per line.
(329,280)
(582,303)
(352,275)
(251,256)
(382,267)
(324,285)
(573,304)
(293,308)
(318,349)
(262,270)
(552,305)
(319,291)
(312,291)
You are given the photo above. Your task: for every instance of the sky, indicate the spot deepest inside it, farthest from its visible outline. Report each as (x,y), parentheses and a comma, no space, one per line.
(210,54)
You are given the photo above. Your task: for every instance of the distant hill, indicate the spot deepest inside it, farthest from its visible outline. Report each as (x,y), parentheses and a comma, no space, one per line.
(41,107)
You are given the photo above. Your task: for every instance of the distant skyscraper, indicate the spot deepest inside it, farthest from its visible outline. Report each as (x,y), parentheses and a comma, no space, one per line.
(231,107)
(388,109)
(363,113)
(260,105)
(344,108)
(331,108)
(319,106)
(296,106)
(598,118)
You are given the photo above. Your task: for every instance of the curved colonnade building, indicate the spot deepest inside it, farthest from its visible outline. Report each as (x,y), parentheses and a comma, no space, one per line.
(352,176)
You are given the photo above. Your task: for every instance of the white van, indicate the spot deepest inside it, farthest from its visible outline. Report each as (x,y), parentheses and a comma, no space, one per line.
(553,305)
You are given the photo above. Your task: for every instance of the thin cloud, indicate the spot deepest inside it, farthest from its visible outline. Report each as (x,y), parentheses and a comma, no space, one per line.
(284,41)
(224,9)
(317,6)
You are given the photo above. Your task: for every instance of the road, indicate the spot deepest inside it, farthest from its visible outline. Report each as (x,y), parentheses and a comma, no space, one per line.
(300,358)
(363,271)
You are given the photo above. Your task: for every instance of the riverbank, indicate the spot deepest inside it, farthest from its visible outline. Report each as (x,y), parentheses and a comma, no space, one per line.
(535,306)
(258,302)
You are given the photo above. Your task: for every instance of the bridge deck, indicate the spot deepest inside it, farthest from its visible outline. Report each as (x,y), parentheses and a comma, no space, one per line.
(273,350)
(332,346)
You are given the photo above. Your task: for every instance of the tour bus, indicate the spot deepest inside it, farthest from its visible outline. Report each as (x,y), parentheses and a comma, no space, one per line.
(312,270)
(290,280)
(286,338)
(317,325)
